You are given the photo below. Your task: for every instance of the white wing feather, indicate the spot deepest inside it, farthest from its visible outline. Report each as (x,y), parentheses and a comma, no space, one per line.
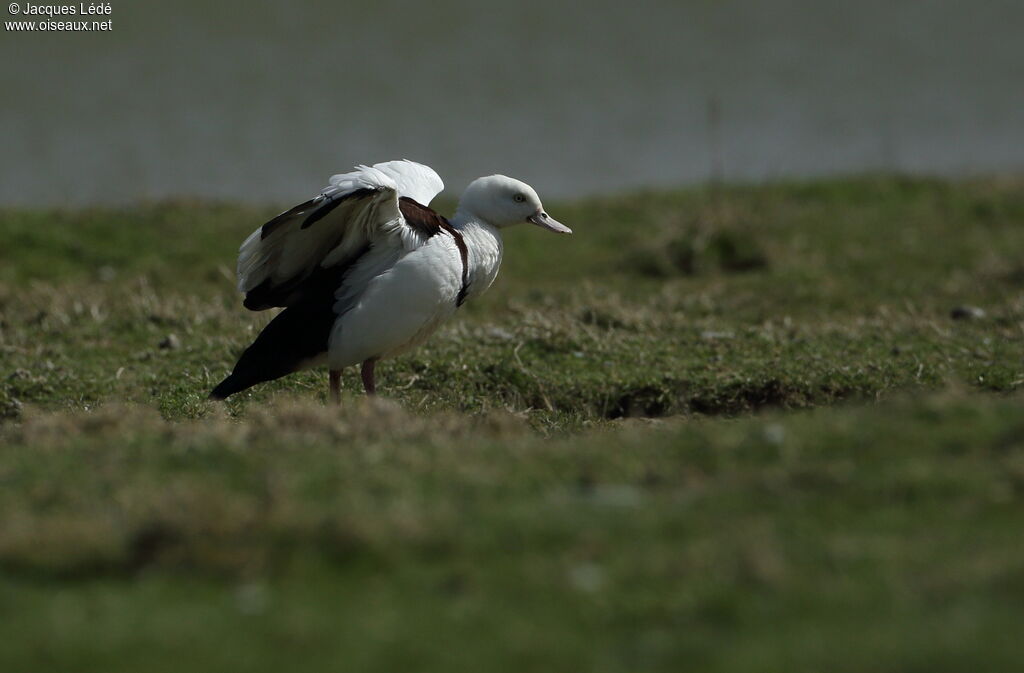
(411,179)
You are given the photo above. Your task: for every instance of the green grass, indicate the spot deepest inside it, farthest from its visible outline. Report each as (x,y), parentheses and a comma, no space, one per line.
(723,431)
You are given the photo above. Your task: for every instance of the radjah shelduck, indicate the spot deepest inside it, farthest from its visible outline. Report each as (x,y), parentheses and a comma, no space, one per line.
(367,270)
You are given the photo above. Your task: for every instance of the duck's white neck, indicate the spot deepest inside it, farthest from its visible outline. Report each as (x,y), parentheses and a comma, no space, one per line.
(483,243)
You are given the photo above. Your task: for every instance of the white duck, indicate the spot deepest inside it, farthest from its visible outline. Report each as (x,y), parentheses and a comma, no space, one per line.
(366,270)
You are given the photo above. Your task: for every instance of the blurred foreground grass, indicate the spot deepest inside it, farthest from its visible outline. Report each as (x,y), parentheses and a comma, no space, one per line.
(509,506)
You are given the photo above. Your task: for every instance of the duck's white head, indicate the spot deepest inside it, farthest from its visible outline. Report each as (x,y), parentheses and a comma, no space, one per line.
(501,202)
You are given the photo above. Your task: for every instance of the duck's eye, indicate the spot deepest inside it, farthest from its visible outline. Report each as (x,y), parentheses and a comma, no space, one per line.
(519,198)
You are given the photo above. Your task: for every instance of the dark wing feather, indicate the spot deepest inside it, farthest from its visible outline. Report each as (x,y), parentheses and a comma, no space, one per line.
(274,292)
(288,215)
(333,202)
(300,288)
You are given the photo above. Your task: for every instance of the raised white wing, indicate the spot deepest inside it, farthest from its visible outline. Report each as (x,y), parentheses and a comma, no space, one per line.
(313,244)
(414,180)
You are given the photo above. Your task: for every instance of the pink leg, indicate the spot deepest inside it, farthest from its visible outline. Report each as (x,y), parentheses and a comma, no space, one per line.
(367,373)
(336,386)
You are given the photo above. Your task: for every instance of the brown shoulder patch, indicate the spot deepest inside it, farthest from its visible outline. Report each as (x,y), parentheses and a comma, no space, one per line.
(429,222)
(423,219)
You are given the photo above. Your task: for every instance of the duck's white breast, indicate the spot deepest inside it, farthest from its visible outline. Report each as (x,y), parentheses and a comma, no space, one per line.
(400,307)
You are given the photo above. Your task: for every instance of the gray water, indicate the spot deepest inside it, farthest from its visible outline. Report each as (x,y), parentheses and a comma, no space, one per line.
(260,101)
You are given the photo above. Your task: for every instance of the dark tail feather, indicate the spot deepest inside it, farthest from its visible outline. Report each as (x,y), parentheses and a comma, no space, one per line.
(293,338)
(228,386)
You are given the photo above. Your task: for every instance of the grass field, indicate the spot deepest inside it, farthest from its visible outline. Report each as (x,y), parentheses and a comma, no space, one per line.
(743,429)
